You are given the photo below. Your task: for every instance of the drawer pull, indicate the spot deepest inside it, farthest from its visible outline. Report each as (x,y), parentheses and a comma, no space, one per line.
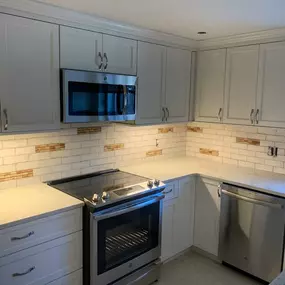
(24,273)
(23,237)
(167,192)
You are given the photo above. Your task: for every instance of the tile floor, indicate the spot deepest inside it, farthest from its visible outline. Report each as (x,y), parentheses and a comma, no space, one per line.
(194,269)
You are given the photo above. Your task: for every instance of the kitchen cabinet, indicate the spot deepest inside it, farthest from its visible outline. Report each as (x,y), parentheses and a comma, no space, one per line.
(177,91)
(29,67)
(271,85)
(151,83)
(87,50)
(241,84)
(210,85)
(207,215)
(178,217)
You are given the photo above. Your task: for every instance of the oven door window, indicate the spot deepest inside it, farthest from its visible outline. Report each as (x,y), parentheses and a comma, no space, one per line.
(94,99)
(124,237)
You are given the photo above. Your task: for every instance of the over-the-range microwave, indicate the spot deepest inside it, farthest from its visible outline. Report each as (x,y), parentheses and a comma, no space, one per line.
(94,96)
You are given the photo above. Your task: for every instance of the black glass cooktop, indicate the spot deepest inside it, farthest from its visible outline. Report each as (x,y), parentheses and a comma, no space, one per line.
(86,186)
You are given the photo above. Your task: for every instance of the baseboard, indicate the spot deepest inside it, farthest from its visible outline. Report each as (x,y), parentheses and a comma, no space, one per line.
(205,253)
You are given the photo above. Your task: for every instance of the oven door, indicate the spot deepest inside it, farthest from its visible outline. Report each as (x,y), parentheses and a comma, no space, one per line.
(125,239)
(93,96)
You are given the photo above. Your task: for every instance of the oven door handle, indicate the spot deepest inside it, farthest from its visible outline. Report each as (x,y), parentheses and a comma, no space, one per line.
(128,209)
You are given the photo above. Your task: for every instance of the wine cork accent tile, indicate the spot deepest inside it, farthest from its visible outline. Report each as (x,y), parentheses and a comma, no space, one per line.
(20,174)
(154,152)
(89,130)
(49,147)
(248,141)
(113,147)
(194,129)
(165,130)
(209,151)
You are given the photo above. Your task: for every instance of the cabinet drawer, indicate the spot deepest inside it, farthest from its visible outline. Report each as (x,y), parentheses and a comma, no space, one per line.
(33,233)
(74,278)
(43,263)
(171,190)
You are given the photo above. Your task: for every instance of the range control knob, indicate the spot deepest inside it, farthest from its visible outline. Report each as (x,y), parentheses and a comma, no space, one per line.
(105,195)
(150,184)
(95,198)
(156,182)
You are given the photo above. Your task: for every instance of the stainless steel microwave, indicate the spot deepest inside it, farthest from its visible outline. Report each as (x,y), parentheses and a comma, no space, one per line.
(94,96)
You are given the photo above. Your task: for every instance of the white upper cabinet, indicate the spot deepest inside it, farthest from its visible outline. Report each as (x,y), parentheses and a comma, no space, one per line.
(177,85)
(271,85)
(80,49)
(151,83)
(87,50)
(241,84)
(210,85)
(120,55)
(29,68)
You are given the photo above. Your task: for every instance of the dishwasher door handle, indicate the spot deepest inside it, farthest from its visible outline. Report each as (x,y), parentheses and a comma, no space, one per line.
(254,201)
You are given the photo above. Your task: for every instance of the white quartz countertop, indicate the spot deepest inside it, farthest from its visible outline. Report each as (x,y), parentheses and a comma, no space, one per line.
(166,169)
(22,204)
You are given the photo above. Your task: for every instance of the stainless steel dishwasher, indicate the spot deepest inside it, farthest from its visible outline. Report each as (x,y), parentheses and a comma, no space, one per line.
(252,231)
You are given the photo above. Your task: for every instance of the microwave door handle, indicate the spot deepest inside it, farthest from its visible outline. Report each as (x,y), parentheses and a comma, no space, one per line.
(128,209)
(125,99)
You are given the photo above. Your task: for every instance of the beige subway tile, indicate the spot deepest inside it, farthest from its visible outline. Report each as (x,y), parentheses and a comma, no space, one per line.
(25,150)
(8,184)
(71,159)
(7,152)
(238,157)
(275,163)
(14,143)
(28,181)
(39,156)
(261,155)
(264,167)
(277,144)
(230,161)
(257,160)
(51,176)
(267,143)
(267,131)
(246,152)
(72,145)
(38,164)
(239,145)
(279,170)
(71,173)
(15,159)
(257,148)
(280,132)
(275,138)
(79,165)
(246,164)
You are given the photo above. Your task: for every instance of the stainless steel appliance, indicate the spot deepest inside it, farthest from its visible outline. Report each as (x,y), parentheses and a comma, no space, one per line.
(93,96)
(122,226)
(252,231)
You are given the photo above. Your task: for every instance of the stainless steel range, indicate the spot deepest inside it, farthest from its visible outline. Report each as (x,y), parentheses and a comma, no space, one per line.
(122,226)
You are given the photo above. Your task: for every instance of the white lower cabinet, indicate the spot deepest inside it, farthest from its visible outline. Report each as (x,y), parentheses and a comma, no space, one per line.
(207,215)
(178,218)
(74,278)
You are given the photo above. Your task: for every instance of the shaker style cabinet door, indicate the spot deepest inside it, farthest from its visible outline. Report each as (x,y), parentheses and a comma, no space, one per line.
(177,91)
(241,84)
(29,68)
(151,83)
(80,49)
(210,85)
(119,55)
(271,85)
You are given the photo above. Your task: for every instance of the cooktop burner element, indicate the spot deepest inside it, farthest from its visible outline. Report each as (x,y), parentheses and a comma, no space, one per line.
(106,187)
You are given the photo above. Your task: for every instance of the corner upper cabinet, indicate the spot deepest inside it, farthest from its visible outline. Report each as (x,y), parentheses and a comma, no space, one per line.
(80,49)
(271,85)
(87,50)
(241,84)
(29,68)
(151,83)
(177,91)
(210,85)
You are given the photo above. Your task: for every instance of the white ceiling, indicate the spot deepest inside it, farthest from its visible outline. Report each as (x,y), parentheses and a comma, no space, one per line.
(187,17)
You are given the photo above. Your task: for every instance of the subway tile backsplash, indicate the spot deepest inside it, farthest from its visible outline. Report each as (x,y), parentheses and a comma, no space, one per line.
(244,146)
(80,149)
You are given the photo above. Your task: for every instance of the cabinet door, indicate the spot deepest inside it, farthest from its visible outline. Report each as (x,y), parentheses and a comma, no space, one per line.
(151,83)
(167,229)
(121,55)
(271,85)
(184,215)
(207,216)
(80,49)
(29,68)
(177,91)
(210,85)
(241,84)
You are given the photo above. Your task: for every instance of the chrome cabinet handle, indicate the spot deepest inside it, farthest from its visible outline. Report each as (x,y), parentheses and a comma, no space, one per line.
(251,118)
(219,114)
(23,237)
(105,56)
(257,116)
(125,99)
(5,111)
(24,273)
(163,110)
(167,113)
(101,60)
(167,192)
(219,189)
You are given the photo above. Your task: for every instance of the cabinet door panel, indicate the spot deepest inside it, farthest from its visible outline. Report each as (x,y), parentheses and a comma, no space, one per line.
(151,83)
(210,84)
(241,84)
(121,54)
(29,67)
(207,215)
(177,84)
(271,86)
(79,49)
